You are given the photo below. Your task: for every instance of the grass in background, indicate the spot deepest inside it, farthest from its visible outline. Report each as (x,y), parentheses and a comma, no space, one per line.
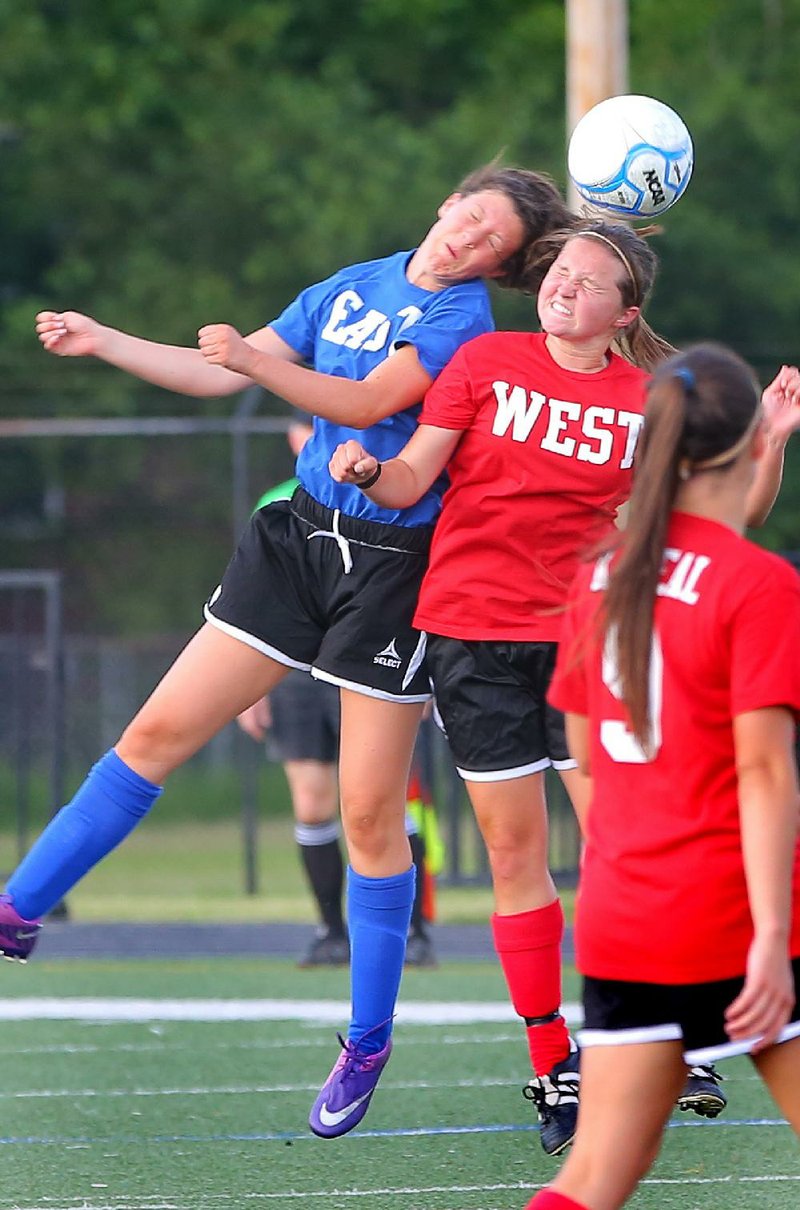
(195,872)
(187,1115)
(186,862)
(200,790)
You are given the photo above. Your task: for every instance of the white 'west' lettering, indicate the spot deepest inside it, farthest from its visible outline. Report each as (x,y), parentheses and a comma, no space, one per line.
(603,436)
(518,410)
(561,412)
(513,410)
(633,421)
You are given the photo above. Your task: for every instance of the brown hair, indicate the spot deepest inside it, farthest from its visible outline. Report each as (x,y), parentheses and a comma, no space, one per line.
(638,343)
(702,406)
(536,200)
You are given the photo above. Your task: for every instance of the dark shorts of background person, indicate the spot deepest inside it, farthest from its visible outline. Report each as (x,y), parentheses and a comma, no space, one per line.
(305,720)
(491,700)
(316,589)
(619,1013)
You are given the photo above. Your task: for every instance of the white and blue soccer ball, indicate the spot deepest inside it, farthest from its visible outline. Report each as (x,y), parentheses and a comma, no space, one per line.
(630,156)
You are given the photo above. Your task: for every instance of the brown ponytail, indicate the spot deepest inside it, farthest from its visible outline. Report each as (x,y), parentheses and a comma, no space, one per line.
(700,406)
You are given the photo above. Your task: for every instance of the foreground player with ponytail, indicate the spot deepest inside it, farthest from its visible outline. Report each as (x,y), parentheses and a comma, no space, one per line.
(679,672)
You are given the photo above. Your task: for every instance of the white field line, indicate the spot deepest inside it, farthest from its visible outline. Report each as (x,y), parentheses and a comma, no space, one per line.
(198,1202)
(169,1045)
(234,1090)
(318,1011)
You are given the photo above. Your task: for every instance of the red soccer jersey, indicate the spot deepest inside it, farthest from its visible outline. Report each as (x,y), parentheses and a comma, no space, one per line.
(537,478)
(662,896)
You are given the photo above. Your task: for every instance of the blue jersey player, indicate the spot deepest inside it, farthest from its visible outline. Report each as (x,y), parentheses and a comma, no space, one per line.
(325,582)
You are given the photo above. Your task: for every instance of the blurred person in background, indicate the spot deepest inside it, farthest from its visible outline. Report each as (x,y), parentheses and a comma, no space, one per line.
(299,722)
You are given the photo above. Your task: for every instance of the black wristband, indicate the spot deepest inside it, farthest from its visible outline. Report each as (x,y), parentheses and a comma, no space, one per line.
(373,479)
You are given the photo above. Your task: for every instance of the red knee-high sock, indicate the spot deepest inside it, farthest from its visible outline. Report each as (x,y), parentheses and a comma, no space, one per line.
(548,1199)
(528,945)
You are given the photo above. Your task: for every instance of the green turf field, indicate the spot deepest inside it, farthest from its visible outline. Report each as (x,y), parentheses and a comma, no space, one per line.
(188,1114)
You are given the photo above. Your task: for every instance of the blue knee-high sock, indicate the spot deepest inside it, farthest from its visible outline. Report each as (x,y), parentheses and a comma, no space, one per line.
(378,916)
(105,809)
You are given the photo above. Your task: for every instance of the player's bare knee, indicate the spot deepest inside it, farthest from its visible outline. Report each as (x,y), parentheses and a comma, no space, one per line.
(366,833)
(370,829)
(511,860)
(150,739)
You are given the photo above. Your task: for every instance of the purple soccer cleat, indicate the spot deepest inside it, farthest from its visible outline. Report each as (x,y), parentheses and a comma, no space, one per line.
(347,1092)
(17,936)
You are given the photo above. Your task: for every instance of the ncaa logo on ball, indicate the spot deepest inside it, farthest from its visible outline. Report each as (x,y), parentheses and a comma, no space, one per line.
(631,156)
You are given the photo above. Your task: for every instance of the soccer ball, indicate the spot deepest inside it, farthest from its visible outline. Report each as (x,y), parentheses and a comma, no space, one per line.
(631,157)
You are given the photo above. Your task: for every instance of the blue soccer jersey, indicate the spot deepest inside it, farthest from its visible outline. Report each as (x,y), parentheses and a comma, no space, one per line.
(346,325)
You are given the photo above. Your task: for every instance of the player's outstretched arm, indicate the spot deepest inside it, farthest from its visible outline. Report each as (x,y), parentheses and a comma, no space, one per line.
(768,809)
(184,370)
(396,384)
(401,481)
(781,403)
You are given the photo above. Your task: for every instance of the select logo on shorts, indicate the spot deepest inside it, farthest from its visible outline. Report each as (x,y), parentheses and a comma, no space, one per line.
(388,657)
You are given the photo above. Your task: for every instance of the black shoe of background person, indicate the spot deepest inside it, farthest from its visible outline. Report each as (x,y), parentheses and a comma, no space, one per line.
(701,1093)
(419,950)
(329,948)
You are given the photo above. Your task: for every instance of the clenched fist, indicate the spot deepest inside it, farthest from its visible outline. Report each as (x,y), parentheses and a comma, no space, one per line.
(222,345)
(69,334)
(351,463)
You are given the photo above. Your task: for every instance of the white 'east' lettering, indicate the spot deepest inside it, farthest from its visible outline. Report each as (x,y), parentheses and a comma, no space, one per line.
(343,305)
(409,315)
(347,328)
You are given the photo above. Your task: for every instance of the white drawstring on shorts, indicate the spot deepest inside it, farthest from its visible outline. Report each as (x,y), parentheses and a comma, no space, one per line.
(339,539)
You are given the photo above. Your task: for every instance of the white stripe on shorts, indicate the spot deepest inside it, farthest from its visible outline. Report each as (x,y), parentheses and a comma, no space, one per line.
(251,641)
(727,1050)
(416,660)
(368,691)
(628,1037)
(536,766)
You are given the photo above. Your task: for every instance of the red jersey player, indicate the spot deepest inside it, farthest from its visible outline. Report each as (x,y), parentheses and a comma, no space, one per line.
(679,670)
(538,433)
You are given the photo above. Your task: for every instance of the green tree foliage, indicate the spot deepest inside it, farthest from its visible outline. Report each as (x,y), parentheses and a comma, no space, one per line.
(731,249)
(166,163)
(181,160)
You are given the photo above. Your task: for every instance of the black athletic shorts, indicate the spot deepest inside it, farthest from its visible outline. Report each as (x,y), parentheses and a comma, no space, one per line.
(617,1013)
(321,591)
(305,720)
(491,699)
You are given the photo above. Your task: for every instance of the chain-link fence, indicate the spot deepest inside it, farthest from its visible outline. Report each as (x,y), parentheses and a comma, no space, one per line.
(132,521)
(64,700)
